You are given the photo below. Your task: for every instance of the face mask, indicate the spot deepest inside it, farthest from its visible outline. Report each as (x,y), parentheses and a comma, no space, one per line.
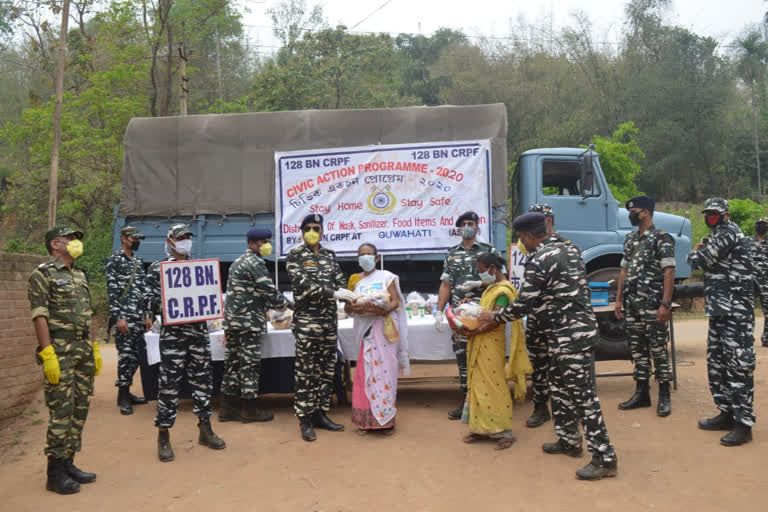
(634,218)
(761,229)
(312,237)
(712,220)
(135,245)
(468,232)
(265,249)
(75,248)
(367,262)
(487,278)
(183,247)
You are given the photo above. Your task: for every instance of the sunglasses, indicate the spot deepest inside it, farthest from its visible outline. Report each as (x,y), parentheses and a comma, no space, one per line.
(307,229)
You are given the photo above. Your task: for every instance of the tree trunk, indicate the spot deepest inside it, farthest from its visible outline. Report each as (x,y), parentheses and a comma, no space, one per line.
(53,180)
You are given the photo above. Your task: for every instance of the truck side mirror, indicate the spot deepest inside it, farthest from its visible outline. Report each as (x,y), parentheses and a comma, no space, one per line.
(587,172)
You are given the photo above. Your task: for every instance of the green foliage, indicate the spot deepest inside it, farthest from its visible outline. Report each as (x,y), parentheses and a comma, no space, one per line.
(21,246)
(619,157)
(745,212)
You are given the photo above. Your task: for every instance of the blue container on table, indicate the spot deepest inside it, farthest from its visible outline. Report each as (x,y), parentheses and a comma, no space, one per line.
(599,291)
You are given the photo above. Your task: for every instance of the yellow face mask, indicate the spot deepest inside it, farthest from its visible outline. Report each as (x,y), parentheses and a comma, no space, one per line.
(265,249)
(75,248)
(312,237)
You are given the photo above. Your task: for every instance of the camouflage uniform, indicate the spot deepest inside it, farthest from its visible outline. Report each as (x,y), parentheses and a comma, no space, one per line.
(646,255)
(555,289)
(250,292)
(184,348)
(760,259)
(130,308)
(314,278)
(729,290)
(62,296)
(460,266)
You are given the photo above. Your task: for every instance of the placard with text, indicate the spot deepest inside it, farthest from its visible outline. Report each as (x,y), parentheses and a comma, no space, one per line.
(403,198)
(191,291)
(516,265)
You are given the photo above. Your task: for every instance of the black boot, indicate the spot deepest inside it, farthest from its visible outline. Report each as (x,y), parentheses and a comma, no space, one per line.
(77,474)
(124,401)
(560,447)
(540,415)
(320,420)
(641,398)
(230,408)
(137,400)
(207,437)
(250,413)
(596,470)
(740,434)
(456,413)
(307,430)
(664,407)
(164,450)
(723,421)
(58,479)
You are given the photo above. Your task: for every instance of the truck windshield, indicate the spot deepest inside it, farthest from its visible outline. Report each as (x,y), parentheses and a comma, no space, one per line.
(563,178)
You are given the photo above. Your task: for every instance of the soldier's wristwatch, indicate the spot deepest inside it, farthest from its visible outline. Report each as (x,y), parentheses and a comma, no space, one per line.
(667,305)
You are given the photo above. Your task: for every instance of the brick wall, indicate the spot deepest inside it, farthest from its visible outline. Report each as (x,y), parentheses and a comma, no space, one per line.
(20,376)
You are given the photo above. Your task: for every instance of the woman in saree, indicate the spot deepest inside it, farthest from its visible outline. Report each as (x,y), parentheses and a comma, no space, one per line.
(381,326)
(489,400)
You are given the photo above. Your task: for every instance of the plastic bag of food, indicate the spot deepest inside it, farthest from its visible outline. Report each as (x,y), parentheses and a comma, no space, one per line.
(469,314)
(281,319)
(380,299)
(414,301)
(431,302)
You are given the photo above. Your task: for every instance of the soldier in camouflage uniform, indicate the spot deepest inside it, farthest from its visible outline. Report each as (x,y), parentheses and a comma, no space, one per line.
(184,348)
(61,312)
(317,282)
(726,259)
(250,292)
(645,289)
(760,259)
(125,281)
(555,289)
(460,281)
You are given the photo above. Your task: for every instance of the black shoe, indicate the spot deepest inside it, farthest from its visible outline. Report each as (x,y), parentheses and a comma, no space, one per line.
(457,413)
(664,407)
(58,479)
(124,401)
(77,474)
(597,470)
(320,420)
(207,437)
(229,409)
(250,413)
(723,421)
(540,415)
(740,434)
(307,430)
(164,450)
(641,398)
(137,400)
(560,447)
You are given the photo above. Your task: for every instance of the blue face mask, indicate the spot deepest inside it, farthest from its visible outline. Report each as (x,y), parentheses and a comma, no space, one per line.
(367,262)
(487,278)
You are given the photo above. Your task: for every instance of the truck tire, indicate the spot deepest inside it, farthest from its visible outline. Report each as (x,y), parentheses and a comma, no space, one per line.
(613,336)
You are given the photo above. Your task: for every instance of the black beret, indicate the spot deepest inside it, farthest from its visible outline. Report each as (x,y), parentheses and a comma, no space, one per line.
(527,222)
(642,202)
(466,216)
(259,234)
(312,218)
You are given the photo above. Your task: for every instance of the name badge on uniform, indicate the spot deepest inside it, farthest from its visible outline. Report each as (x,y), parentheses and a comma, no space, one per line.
(308,263)
(60,282)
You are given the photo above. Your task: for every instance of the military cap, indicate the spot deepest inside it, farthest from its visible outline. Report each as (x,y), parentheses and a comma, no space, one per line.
(179,230)
(312,218)
(717,204)
(542,208)
(762,220)
(57,231)
(467,216)
(132,232)
(259,234)
(528,222)
(642,202)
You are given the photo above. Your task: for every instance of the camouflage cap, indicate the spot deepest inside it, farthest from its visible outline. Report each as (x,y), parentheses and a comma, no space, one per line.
(762,220)
(57,231)
(717,204)
(542,208)
(179,230)
(132,232)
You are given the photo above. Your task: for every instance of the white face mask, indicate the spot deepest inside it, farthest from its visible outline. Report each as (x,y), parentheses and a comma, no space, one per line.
(367,262)
(183,247)
(486,277)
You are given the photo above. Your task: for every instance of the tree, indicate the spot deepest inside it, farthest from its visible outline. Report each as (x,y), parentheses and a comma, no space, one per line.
(619,157)
(290,18)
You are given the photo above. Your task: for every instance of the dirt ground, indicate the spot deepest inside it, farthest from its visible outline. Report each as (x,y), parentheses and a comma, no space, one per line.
(665,464)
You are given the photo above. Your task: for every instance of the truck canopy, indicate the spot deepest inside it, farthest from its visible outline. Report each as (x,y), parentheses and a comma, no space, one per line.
(224,164)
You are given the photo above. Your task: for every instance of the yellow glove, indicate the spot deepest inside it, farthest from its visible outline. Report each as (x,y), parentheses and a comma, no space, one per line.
(97,361)
(50,364)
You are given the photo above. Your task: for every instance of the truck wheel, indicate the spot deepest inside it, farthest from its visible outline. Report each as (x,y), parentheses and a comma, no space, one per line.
(613,336)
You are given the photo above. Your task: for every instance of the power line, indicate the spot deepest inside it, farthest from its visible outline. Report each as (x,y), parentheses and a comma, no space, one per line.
(374,12)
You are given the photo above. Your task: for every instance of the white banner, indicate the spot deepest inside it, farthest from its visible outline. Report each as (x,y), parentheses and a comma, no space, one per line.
(403,198)
(191,291)
(516,266)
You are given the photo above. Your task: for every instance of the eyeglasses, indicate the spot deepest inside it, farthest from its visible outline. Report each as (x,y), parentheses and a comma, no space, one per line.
(307,229)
